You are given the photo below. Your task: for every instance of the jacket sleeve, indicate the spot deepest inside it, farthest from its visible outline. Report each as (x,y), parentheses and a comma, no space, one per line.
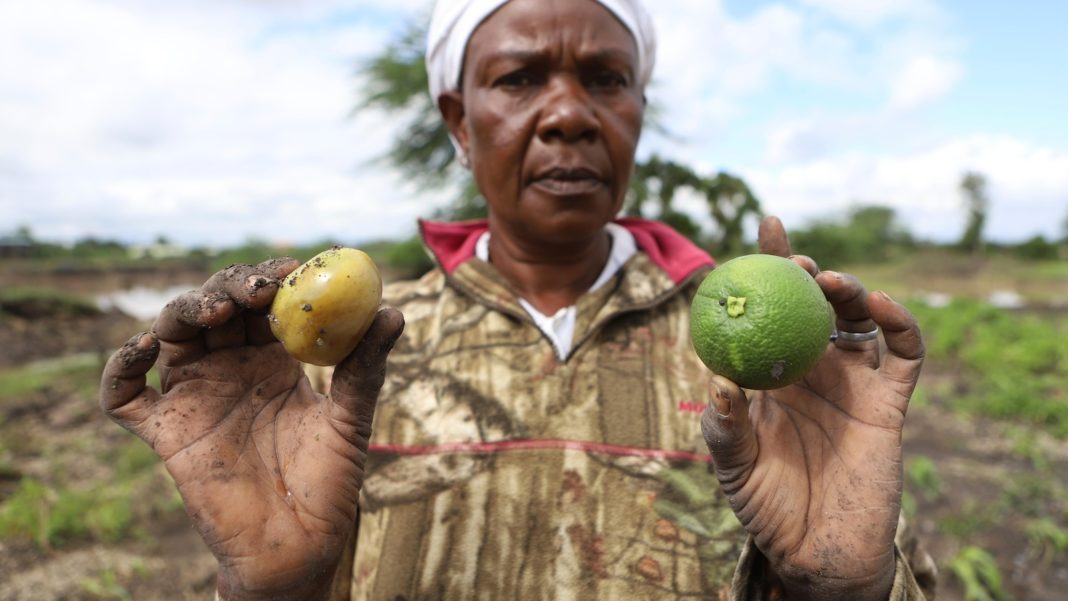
(915,575)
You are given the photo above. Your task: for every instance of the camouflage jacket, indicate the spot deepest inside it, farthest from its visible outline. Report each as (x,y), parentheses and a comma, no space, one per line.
(498,471)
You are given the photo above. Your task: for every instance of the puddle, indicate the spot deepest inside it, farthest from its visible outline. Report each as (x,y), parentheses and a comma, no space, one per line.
(141,302)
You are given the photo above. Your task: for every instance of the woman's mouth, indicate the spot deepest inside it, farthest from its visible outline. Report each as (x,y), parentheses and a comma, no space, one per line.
(568,181)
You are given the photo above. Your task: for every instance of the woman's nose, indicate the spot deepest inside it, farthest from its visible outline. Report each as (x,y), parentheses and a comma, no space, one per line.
(568,114)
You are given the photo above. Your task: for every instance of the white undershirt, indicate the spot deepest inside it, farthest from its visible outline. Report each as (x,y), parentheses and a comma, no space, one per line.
(560,327)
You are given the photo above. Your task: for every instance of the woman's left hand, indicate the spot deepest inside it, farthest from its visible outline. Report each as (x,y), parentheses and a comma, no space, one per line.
(813,470)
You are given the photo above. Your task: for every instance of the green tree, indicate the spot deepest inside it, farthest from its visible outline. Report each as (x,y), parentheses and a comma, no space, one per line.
(730,201)
(395,81)
(868,233)
(977,203)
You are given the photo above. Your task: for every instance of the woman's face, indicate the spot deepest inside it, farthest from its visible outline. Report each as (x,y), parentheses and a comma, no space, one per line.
(549,116)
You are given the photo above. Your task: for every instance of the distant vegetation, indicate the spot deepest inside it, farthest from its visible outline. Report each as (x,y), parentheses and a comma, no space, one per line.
(864,234)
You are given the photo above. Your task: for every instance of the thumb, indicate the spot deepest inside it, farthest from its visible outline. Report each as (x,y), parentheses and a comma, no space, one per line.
(728,434)
(358,378)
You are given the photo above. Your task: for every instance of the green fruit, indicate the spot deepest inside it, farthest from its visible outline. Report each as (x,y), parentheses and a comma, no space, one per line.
(326,305)
(761,321)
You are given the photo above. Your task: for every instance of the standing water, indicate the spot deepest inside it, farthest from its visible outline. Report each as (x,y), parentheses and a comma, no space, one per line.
(141,302)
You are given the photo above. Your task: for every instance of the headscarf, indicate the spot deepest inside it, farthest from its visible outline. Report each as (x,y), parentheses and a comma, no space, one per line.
(454,21)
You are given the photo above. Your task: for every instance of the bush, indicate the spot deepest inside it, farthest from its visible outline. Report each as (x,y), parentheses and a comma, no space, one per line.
(409,258)
(1014,365)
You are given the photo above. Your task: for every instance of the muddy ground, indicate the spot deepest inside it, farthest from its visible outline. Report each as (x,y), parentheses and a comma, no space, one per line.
(976,461)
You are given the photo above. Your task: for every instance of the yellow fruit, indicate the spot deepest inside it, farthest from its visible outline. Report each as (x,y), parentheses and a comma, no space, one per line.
(324,308)
(761,321)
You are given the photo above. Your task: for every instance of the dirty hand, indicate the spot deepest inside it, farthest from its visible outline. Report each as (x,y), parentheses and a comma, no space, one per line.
(813,470)
(269,470)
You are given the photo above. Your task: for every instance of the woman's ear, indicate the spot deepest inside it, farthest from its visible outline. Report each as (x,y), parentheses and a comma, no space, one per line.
(451,105)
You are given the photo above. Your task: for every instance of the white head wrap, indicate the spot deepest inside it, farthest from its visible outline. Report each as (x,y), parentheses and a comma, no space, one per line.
(455,20)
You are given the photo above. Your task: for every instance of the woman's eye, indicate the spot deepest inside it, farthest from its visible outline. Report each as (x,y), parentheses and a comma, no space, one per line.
(609,79)
(517,79)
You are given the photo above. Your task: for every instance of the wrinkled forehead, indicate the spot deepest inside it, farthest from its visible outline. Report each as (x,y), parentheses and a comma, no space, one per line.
(542,29)
(455,21)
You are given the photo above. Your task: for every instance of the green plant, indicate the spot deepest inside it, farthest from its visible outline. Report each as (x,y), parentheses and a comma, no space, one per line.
(53,517)
(1048,539)
(979,574)
(106,586)
(923,475)
(1013,365)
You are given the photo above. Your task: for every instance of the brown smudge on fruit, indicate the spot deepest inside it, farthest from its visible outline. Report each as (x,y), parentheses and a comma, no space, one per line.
(306,307)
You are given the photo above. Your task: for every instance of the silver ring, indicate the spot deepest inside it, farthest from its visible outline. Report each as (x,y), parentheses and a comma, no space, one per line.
(855,336)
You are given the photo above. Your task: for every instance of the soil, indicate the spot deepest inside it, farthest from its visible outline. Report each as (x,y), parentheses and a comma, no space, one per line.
(975,461)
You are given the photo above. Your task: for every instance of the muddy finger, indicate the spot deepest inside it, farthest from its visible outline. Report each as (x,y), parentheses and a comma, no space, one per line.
(186,316)
(123,379)
(245,284)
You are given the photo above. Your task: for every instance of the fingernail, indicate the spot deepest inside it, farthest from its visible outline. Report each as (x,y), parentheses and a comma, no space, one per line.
(884,296)
(721,401)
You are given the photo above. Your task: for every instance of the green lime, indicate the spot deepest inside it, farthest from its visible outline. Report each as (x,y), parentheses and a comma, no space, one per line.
(761,321)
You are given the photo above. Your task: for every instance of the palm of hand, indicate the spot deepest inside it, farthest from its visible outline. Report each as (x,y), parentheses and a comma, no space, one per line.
(267,478)
(823,495)
(813,470)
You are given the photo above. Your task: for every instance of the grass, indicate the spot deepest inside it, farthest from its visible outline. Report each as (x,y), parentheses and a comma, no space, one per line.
(56,503)
(1013,365)
(62,511)
(77,373)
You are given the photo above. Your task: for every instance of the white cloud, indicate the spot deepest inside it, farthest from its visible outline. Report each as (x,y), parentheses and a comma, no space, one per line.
(210,122)
(716,68)
(923,80)
(1028,186)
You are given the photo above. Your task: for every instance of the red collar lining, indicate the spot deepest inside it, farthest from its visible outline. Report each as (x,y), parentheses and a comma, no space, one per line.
(454,243)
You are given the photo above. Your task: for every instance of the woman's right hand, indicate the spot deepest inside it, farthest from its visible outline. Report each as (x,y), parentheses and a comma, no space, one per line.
(269,469)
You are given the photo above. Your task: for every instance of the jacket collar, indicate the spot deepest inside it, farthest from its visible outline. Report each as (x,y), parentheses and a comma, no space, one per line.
(453,244)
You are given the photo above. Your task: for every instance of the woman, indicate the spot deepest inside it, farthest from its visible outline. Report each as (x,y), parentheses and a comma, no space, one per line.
(538,434)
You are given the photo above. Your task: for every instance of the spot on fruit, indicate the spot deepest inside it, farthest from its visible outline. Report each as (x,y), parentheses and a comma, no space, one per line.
(777,369)
(735,306)
(306,307)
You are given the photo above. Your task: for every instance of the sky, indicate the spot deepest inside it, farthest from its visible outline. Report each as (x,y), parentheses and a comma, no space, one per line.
(212,122)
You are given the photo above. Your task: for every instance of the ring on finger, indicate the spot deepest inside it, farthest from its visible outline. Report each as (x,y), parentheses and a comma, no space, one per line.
(855,336)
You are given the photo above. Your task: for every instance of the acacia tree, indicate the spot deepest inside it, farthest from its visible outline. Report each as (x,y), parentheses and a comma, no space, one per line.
(395,81)
(977,203)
